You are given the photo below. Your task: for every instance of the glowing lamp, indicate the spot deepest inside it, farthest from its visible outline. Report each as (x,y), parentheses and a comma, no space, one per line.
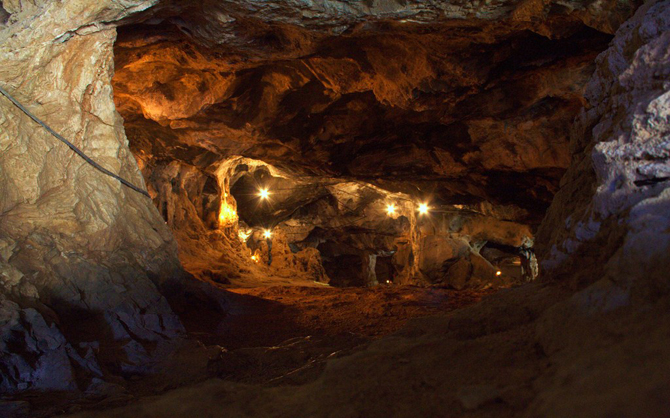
(267,233)
(423,208)
(254,258)
(390,209)
(227,214)
(263,193)
(498,273)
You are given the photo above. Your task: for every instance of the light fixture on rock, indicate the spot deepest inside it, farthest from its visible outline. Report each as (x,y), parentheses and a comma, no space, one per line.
(390,209)
(498,273)
(227,213)
(264,193)
(243,235)
(267,234)
(423,208)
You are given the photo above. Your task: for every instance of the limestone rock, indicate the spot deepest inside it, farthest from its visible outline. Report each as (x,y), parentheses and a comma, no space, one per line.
(611,204)
(85,261)
(467,101)
(458,274)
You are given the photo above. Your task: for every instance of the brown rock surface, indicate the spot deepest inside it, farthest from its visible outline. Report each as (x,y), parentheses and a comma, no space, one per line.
(85,263)
(295,114)
(409,96)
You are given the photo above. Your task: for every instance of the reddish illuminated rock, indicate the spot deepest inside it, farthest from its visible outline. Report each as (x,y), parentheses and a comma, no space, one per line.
(468,102)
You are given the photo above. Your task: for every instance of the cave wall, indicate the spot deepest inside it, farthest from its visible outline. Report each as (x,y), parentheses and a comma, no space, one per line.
(83,260)
(612,209)
(215,244)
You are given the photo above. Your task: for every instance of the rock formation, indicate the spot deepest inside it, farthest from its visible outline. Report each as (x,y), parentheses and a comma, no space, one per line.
(467,106)
(424,108)
(612,200)
(86,264)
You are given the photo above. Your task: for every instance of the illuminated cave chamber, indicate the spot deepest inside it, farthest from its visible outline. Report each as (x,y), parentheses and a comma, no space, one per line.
(355,122)
(250,219)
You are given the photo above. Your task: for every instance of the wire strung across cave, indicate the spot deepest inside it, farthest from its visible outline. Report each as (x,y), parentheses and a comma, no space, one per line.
(72,146)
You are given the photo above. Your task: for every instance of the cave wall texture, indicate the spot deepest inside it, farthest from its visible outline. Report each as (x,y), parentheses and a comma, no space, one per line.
(612,206)
(456,104)
(464,110)
(468,102)
(83,259)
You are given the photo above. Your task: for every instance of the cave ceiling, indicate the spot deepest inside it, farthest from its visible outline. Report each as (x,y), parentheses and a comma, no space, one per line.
(456,102)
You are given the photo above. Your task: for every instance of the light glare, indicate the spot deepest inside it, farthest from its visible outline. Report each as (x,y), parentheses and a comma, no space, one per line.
(227,214)
(267,233)
(423,208)
(264,193)
(390,209)
(498,273)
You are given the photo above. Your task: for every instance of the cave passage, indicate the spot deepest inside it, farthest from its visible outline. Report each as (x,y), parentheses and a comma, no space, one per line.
(375,208)
(371,158)
(298,165)
(338,193)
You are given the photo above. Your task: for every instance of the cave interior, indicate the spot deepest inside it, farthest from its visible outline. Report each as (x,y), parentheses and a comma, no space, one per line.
(379,208)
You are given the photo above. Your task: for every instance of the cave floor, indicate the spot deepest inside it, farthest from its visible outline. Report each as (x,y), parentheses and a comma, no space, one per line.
(321,352)
(266,316)
(271,336)
(285,334)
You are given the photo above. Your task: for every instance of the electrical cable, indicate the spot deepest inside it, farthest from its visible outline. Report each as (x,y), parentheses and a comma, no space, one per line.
(72,146)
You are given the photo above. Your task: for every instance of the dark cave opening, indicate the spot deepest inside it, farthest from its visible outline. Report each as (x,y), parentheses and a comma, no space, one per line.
(4,15)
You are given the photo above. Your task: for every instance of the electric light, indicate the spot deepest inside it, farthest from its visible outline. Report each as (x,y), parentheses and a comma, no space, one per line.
(498,273)
(390,209)
(423,208)
(227,214)
(254,257)
(263,193)
(243,235)
(267,233)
